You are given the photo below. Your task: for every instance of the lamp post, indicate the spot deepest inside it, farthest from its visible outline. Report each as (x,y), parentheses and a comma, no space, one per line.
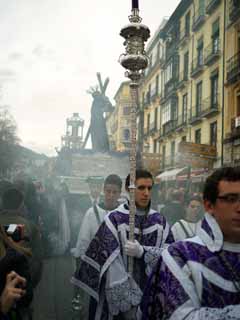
(135,61)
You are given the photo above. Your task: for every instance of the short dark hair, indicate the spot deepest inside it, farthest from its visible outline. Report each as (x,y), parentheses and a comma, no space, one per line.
(210,190)
(140,173)
(113,179)
(12,199)
(194,198)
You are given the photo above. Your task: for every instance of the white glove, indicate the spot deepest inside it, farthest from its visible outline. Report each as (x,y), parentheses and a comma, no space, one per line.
(133,249)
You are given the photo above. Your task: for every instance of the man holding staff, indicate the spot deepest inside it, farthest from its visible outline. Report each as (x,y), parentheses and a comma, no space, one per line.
(104,270)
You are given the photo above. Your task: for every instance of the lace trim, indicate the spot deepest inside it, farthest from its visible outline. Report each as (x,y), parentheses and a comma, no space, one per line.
(151,255)
(227,313)
(122,297)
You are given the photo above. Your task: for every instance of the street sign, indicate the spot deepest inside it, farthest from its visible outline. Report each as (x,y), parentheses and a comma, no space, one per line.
(200,150)
(152,162)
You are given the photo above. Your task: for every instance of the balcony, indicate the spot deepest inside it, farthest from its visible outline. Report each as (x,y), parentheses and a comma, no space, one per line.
(206,109)
(197,67)
(170,51)
(234,10)
(154,96)
(184,37)
(168,162)
(146,132)
(212,53)
(198,20)
(181,122)
(235,130)
(183,79)
(170,87)
(153,128)
(169,127)
(211,5)
(233,69)
(162,61)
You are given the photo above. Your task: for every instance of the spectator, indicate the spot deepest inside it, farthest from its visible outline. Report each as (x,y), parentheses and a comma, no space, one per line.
(14,269)
(174,209)
(12,204)
(186,227)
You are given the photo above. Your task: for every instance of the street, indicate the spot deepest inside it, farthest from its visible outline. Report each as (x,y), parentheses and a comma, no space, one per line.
(52,297)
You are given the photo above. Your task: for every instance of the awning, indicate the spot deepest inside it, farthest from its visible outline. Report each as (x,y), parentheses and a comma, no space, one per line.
(170,175)
(197,175)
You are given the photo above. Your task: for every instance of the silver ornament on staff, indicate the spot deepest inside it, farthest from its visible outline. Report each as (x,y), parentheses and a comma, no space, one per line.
(135,61)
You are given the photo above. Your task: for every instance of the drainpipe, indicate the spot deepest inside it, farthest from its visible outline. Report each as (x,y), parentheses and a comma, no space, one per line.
(223,82)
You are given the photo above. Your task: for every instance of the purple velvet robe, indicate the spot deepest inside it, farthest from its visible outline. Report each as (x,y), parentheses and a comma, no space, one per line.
(198,278)
(107,246)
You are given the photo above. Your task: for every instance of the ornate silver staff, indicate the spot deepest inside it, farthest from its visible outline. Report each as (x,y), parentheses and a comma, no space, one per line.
(135,61)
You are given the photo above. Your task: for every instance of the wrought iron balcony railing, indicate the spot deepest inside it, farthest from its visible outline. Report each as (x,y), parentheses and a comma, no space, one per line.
(233,68)
(197,66)
(153,128)
(211,5)
(207,108)
(168,162)
(169,127)
(184,36)
(183,79)
(234,10)
(181,121)
(198,19)
(212,52)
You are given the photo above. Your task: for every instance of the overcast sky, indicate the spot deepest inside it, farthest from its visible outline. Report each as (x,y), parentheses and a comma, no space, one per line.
(50,53)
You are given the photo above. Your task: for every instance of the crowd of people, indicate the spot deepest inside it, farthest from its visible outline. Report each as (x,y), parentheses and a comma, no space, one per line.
(185,253)
(33,225)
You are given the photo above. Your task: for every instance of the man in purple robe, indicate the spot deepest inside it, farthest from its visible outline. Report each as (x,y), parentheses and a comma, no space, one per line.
(199,278)
(103,273)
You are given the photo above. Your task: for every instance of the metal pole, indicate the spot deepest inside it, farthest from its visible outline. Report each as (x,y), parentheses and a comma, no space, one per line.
(135,61)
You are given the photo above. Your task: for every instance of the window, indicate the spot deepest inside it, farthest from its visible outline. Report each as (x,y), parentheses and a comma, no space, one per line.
(184,139)
(200,52)
(214,91)
(155,118)
(215,36)
(157,84)
(126,111)
(185,65)
(213,134)
(184,108)
(198,98)
(172,153)
(163,156)
(198,136)
(238,103)
(150,61)
(201,7)
(148,122)
(126,134)
(168,73)
(143,98)
(187,24)
(166,113)
(155,146)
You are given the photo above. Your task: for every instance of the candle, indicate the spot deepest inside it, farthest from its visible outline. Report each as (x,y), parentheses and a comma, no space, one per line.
(135,4)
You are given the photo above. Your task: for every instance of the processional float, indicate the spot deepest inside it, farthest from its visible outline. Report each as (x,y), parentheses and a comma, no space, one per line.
(135,61)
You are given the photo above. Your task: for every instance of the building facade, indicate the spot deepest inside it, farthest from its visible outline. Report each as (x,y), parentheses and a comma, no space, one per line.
(118,121)
(232,85)
(191,105)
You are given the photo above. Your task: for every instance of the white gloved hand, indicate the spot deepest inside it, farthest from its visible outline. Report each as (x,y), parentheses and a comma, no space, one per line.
(133,249)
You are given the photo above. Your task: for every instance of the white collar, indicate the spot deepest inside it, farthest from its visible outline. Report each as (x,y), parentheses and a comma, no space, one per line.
(124,208)
(211,235)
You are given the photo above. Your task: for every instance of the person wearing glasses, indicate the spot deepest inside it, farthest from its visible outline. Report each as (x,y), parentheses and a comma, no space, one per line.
(187,227)
(104,270)
(199,278)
